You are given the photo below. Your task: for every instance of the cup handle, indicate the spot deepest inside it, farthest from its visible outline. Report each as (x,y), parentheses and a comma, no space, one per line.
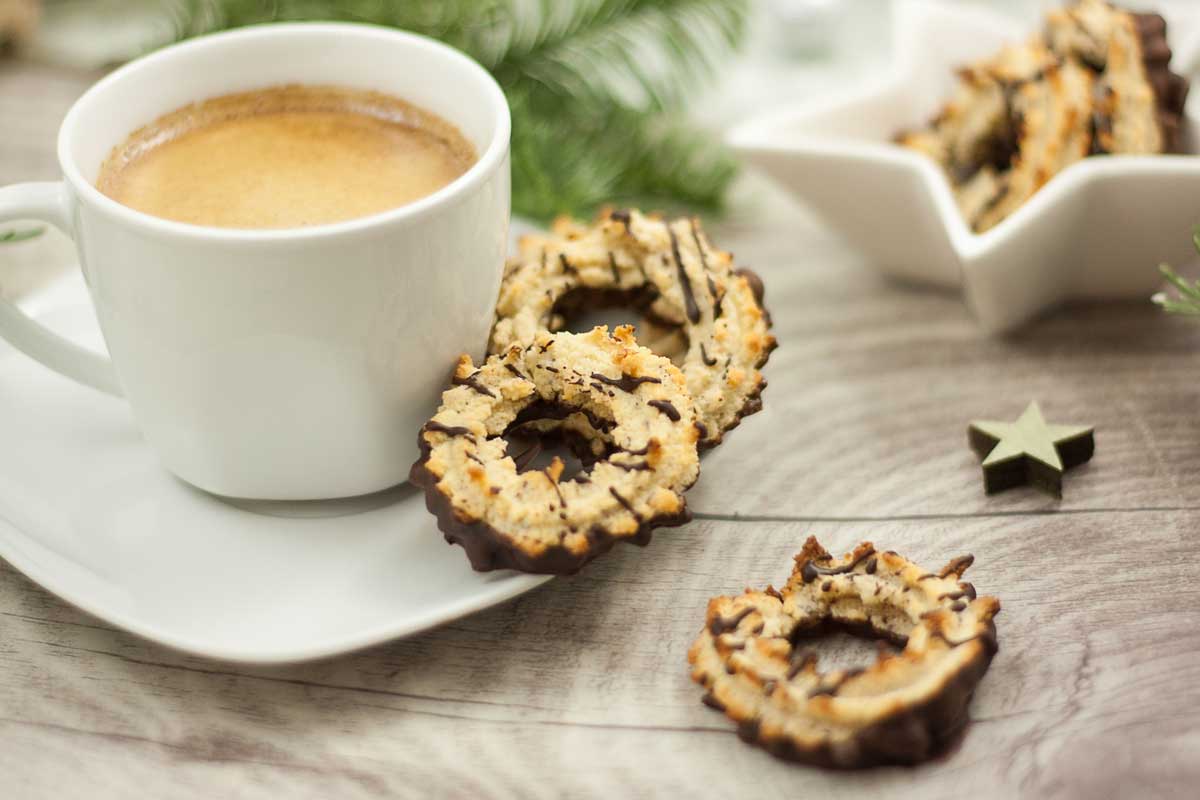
(47,202)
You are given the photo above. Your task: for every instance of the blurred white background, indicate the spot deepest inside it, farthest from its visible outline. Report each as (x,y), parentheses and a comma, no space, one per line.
(795,48)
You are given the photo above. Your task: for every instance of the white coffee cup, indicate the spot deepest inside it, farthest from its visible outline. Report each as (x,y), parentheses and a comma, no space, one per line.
(279,364)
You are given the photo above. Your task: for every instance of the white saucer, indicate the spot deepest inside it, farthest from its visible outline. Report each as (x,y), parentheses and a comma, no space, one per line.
(87,512)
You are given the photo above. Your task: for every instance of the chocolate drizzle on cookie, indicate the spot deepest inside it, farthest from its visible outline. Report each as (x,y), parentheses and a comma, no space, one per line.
(901,709)
(665,407)
(621,499)
(720,625)
(833,688)
(502,515)
(664,289)
(554,483)
(799,661)
(1096,81)
(685,283)
(472,381)
(626,383)
(449,430)
(810,571)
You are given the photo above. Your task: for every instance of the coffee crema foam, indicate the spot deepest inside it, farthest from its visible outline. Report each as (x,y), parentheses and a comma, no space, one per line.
(285,157)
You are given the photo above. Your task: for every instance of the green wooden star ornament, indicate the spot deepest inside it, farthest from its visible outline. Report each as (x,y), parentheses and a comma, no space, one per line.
(1029,451)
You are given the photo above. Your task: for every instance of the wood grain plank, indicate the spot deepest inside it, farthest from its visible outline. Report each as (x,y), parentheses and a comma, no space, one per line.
(34,98)
(581,688)
(874,384)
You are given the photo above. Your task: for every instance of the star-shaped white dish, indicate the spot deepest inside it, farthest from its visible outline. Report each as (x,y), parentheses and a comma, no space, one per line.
(1099,229)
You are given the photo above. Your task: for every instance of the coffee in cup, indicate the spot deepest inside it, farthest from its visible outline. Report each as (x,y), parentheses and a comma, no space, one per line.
(285,157)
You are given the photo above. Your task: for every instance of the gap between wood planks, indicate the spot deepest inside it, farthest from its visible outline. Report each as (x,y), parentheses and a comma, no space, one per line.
(368,690)
(1044,512)
(714,729)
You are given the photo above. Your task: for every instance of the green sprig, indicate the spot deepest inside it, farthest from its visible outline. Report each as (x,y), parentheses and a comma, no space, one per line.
(1188,300)
(598,88)
(20,235)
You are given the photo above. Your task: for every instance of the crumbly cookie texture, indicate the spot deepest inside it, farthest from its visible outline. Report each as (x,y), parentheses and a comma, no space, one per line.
(904,708)
(629,406)
(974,130)
(1096,81)
(669,270)
(1139,101)
(1055,132)
(18,21)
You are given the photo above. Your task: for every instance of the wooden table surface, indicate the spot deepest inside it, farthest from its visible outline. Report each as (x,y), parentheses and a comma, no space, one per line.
(581,688)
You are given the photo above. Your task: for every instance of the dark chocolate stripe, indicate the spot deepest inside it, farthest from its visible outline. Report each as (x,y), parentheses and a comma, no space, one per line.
(699,246)
(755,283)
(716,301)
(449,430)
(800,660)
(685,283)
(712,286)
(554,483)
(832,690)
(666,408)
(612,263)
(708,360)
(721,625)
(957,566)
(516,371)
(637,466)
(566,265)
(472,381)
(626,383)
(810,571)
(628,506)
(526,456)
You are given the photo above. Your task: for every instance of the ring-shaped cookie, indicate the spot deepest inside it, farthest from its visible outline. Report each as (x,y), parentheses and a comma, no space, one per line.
(1139,101)
(902,709)
(602,388)
(674,274)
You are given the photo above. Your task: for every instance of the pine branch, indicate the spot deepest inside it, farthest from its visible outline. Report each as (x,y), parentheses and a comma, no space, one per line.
(450,20)
(643,54)
(20,235)
(576,163)
(596,87)
(1188,301)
